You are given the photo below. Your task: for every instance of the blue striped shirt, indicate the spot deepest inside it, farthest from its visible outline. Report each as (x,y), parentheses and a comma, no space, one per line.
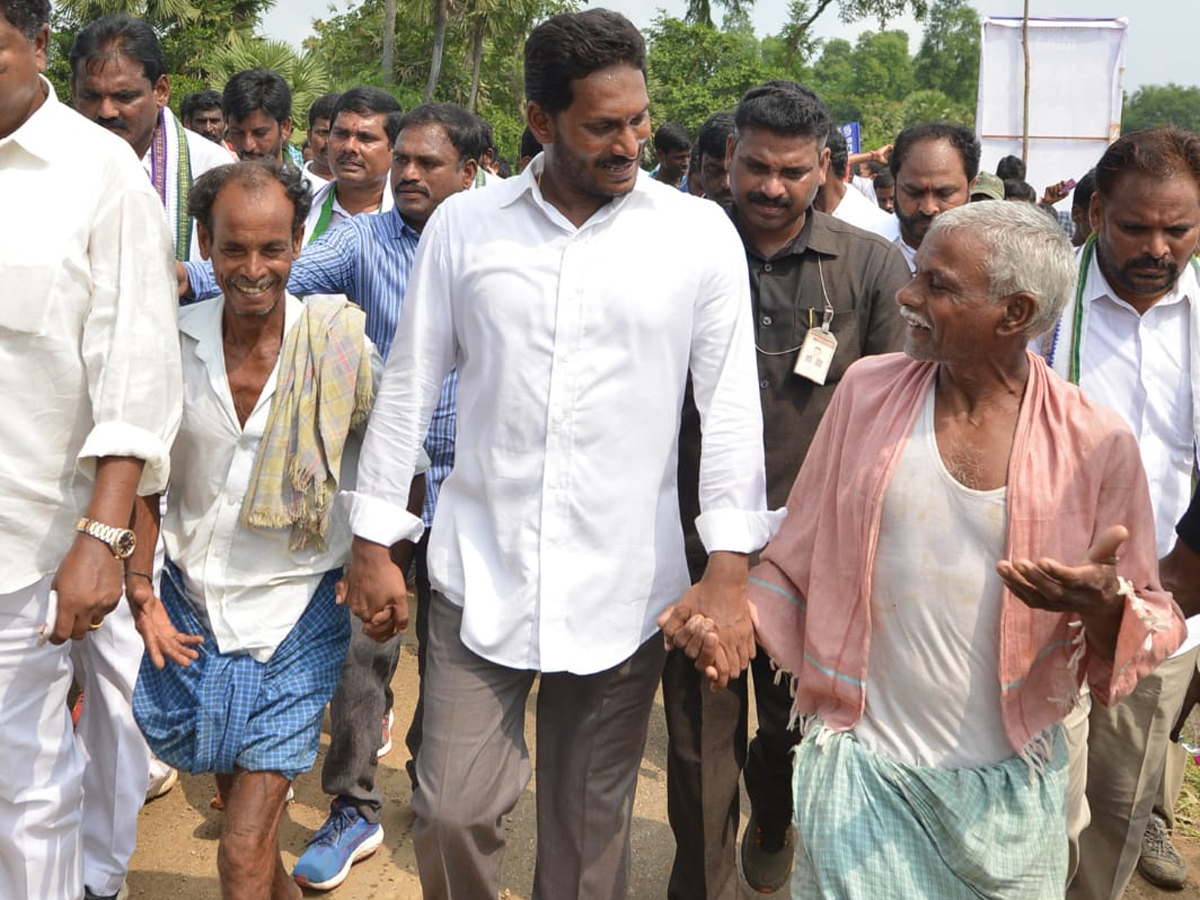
(367,257)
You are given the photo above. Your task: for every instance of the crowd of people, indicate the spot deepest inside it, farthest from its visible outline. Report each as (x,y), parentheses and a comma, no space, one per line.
(881,431)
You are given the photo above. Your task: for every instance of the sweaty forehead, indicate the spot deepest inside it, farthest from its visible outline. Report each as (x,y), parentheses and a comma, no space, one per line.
(935,158)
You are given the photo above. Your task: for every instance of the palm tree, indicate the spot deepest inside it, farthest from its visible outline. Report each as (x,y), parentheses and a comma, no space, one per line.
(157,12)
(305,73)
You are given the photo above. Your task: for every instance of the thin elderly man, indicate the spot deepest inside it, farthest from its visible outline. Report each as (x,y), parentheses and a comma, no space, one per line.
(557,542)
(119,81)
(244,647)
(91,386)
(941,593)
(1130,339)
(812,277)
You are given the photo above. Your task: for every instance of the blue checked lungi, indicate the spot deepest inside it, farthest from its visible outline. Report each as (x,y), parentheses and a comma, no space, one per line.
(230,711)
(871,827)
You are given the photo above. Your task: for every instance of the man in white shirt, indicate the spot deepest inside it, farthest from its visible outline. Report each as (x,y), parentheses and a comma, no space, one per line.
(320,116)
(90,381)
(836,198)
(556,542)
(935,164)
(254,546)
(365,121)
(1129,338)
(119,81)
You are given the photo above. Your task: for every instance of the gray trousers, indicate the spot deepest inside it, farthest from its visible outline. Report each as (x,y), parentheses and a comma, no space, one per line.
(362,699)
(474,764)
(1127,748)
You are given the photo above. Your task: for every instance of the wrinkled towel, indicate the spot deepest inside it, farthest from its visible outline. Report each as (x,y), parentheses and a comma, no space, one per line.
(324,391)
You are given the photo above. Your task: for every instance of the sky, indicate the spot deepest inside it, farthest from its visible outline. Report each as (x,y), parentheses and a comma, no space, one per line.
(1156,53)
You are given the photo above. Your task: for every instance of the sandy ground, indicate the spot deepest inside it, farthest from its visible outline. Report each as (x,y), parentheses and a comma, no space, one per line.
(176,854)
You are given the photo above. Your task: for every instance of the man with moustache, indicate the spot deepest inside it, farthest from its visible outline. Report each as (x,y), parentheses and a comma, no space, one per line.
(1130,339)
(941,591)
(258,114)
(712,171)
(368,258)
(364,124)
(557,541)
(200,111)
(934,164)
(811,276)
(245,641)
(90,384)
(119,81)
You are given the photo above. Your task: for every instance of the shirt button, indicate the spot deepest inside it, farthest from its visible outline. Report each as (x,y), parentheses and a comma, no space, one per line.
(766,320)
(767,267)
(764,384)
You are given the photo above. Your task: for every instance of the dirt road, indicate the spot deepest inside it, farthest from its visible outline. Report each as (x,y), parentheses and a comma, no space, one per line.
(177,848)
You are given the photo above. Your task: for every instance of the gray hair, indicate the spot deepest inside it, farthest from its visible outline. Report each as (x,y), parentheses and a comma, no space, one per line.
(1023,249)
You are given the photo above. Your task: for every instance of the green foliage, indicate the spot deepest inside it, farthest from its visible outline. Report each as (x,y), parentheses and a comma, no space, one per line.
(694,70)
(949,55)
(191,33)
(350,43)
(1162,104)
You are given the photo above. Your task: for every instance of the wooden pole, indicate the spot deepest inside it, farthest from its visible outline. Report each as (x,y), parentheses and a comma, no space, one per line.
(1025,112)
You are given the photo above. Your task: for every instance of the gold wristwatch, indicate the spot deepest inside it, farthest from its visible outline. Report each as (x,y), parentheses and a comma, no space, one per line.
(120,541)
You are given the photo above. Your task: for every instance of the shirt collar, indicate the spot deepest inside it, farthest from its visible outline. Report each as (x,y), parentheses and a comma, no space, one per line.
(1185,290)
(526,185)
(398,226)
(37,134)
(202,322)
(814,235)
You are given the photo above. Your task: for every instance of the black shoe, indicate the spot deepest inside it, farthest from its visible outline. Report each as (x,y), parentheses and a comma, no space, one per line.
(767,856)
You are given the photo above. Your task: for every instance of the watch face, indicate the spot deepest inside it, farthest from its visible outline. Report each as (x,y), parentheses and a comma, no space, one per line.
(125,543)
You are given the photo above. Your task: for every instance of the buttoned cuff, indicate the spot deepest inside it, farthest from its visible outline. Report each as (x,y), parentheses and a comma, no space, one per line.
(381,522)
(121,439)
(738,531)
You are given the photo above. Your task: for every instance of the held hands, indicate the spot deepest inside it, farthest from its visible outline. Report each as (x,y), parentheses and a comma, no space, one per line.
(374,589)
(88,583)
(163,641)
(711,623)
(1089,588)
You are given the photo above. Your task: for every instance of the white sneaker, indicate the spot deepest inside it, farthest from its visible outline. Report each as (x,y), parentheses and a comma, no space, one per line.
(160,780)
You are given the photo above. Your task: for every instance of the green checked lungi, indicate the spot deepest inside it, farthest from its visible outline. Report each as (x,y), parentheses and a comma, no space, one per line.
(230,711)
(870,827)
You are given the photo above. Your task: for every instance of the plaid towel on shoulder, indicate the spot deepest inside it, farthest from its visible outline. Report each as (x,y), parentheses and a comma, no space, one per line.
(325,390)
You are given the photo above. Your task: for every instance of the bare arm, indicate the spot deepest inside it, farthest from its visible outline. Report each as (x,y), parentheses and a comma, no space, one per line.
(88,580)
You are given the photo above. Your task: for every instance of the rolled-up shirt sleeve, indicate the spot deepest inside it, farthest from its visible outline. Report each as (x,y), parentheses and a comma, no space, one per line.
(130,342)
(733,505)
(421,356)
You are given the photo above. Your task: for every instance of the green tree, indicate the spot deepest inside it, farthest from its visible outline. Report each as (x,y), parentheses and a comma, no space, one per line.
(304,72)
(881,65)
(694,70)
(1162,104)
(948,59)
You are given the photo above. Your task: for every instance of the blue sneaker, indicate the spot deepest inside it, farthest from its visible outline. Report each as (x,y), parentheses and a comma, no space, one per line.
(344,839)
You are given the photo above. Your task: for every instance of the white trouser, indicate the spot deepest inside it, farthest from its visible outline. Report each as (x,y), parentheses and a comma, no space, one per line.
(114,782)
(41,786)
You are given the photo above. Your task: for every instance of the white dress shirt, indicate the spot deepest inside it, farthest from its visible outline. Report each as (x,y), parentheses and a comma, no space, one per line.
(1140,366)
(858,210)
(246,584)
(339,213)
(558,530)
(89,353)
